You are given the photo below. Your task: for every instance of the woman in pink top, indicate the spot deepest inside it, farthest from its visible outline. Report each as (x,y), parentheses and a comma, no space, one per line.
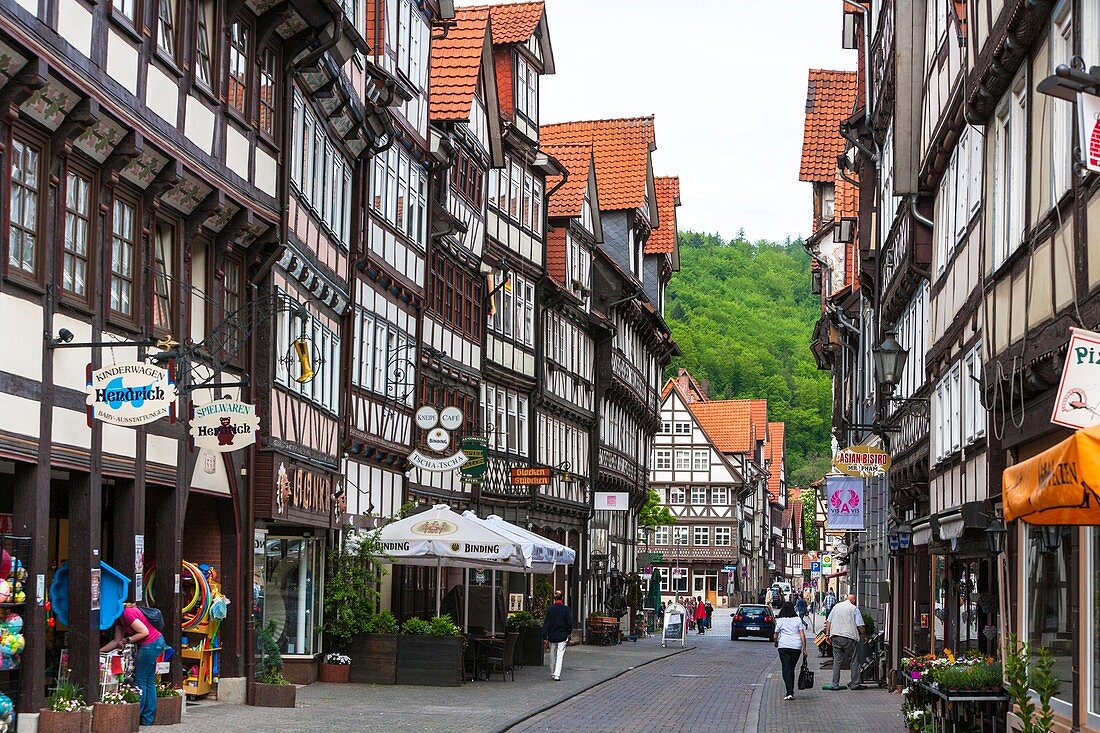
(701,615)
(133,628)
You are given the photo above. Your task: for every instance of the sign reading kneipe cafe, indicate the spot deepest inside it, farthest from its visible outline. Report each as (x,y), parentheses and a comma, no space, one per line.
(130,394)
(224,425)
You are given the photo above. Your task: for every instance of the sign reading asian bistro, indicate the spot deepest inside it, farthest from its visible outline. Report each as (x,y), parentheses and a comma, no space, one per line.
(130,394)
(224,425)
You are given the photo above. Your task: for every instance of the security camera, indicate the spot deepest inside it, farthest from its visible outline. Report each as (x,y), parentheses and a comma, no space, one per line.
(64,335)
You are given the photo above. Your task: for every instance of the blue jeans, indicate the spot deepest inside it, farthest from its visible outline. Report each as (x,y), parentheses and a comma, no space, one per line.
(145,674)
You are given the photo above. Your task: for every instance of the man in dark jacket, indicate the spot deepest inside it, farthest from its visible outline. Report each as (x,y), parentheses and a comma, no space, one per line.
(555,632)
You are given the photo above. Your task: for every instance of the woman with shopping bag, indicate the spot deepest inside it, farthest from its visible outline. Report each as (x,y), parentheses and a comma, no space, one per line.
(790,639)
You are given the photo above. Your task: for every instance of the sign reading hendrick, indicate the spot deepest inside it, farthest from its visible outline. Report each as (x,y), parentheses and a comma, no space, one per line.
(224,425)
(130,394)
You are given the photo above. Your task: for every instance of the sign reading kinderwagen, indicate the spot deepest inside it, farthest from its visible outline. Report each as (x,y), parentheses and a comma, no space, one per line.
(130,394)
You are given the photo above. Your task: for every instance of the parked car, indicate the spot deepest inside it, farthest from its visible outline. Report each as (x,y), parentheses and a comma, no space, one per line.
(752,620)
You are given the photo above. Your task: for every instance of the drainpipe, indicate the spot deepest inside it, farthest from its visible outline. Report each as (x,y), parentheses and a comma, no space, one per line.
(314,56)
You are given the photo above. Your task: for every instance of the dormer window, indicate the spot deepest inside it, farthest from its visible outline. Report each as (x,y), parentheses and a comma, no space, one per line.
(586,213)
(527,88)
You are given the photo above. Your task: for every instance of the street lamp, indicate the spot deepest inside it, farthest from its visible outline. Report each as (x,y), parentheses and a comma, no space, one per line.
(894,540)
(1051,537)
(890,358)
(997,536)
(905,536)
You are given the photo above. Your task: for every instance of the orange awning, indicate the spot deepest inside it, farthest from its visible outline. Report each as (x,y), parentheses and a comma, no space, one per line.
(1061,485)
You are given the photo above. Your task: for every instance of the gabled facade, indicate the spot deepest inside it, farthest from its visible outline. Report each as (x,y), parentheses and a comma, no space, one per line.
(702,487)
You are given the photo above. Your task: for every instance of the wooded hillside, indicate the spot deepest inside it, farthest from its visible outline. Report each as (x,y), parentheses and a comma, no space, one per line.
(742,313)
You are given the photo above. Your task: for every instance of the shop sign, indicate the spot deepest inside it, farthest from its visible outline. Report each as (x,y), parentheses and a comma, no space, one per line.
(862,460)
(844,496)
(224,426)
(428,463)
(451,418)
(536,476)
(612,501)
(427,417)
(1077,404)
(129,394)
(302,489)
(476,452)
(515,602)
(439,439)
(1088,109)
(93,592)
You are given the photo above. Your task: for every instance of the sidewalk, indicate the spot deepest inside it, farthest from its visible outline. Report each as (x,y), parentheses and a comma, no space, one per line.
(476,707)
(869,709)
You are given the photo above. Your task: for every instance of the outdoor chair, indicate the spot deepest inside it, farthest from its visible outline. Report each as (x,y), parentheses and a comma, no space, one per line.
(500,657)
(470,660)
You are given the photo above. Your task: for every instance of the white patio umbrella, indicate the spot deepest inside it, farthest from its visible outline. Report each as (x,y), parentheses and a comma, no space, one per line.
(554,552)
(441,537)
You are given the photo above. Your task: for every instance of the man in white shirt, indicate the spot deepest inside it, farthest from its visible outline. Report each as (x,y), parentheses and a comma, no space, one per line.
(844,629)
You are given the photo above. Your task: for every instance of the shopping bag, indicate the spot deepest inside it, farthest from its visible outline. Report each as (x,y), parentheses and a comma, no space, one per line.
(805,677)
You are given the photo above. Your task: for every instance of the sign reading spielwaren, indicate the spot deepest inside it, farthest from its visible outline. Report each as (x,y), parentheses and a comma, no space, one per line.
(224,425)
(130,394)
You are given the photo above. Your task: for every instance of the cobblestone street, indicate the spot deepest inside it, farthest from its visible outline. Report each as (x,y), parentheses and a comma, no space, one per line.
(714,684)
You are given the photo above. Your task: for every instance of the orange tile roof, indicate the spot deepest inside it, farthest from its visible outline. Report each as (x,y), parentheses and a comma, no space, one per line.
(513,22)
(568,200)
(621,148)
(830,98)
(662,240)
(776,449)
(455,62)
(727,422)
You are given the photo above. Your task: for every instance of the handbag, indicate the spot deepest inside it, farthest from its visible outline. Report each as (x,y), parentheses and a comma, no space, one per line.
(805,677)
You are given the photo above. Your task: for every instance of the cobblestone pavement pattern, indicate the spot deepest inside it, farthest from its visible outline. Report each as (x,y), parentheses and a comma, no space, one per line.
(716,684)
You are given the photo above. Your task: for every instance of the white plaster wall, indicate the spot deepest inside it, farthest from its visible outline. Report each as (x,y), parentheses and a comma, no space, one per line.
(71,428)
(162,95)
(74,24)
(236,152)
(122,61)
(160,450)
(70,366)
(19,314)
(266,170)
(119,441)
(199,125)
(20,415)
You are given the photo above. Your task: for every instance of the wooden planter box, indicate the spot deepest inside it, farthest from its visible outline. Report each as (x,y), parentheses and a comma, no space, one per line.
(335,672)
(430,660)
(374,659)
(528,651)
(75,722)
(271,696)
(169,710)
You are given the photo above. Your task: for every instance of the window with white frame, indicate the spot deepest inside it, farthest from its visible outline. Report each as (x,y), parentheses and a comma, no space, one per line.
(676,495)
(911,334)
(399,190)
(973,413)
(700,460)
(700,536)
(578,265)
(407,45)
(661,535)
(320,174)
(666,427)
(683,428)
(324,351)
(1009,138)
(683,460)
(663,460)
(679,576)
(527,88)
(385,350)
(948,403)
(959,195)
(515,192)
(723,536)
(698,495)
(1060,118)
(1090,33)
(679,535)
(512,314)
(506,411)
(719,495)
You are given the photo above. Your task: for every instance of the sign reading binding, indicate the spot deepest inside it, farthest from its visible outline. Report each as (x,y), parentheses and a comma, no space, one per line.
(224,426)
(129,394)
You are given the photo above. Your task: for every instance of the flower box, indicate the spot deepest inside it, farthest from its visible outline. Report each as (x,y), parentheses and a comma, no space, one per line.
(529,651)
(77,721)
(263,695)
(169,710)
(107,718)
(375,659)
(337,673)
(430,660)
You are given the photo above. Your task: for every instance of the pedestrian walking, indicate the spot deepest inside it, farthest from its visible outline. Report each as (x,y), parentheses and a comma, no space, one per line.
(760,596)
(843,630)
(829,602)
(700,615)
(661,616)
(133,627)
(689,606)
(710,613)
(790,639)
(800,609)
(555,633)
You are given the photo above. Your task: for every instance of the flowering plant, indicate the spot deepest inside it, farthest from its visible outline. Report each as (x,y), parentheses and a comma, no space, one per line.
(114,697)
(66,698)
(130,693)
(166,690)
(337,658)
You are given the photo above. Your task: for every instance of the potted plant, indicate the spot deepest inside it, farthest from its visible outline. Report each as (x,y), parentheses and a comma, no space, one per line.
(65,711)
(1028,681)
(375,651)
(430,653)
(336,667)
(271,689)
(529,651)
(169,705)
(351,590)
(113,714)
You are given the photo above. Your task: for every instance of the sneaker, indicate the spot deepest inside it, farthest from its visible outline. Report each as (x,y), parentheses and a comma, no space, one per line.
(831,687)
(789,697)
(856,686)
(556,679)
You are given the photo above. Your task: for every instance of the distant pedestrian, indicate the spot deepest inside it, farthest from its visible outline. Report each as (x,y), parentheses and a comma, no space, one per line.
(760,596)
(829,602)
(843,630)
(555,633)
(790,638)
(700,615)
(800,609)
(661,615)
(710,613)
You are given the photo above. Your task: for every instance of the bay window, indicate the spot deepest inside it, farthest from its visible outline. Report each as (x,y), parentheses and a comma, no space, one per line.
(239,54)
(507,412)
(384,354)
(204,42)
(516,193)
(1060,136)
(512,314)
(399,190)
(318,170)
(526,85)
(166,27)
(324,345)
(164,252)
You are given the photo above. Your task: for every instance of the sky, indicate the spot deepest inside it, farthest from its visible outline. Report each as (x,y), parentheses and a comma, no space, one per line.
(726,80)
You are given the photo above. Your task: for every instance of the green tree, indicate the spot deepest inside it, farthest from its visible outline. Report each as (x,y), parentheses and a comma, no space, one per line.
(654,514)
(743,315)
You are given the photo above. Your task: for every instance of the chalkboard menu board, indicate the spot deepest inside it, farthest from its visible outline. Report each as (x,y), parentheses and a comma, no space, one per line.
(673,630)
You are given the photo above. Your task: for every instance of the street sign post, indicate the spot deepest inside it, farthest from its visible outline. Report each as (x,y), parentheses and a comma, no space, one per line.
(815,567)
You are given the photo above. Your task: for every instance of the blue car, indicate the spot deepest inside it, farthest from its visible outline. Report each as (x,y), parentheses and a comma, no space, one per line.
(752,620)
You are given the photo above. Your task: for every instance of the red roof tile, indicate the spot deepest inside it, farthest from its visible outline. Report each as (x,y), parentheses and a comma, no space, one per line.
(568,200)
(513,22)
(621,148)
(776,449)
(662,240)
(555,254)
(727,422)
(455,62)
(830,98)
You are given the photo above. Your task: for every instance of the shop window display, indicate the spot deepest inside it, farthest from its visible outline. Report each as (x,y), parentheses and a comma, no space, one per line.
(287,589)
(1049,589)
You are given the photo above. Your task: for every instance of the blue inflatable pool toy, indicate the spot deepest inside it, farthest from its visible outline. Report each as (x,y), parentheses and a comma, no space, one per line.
(113,587)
